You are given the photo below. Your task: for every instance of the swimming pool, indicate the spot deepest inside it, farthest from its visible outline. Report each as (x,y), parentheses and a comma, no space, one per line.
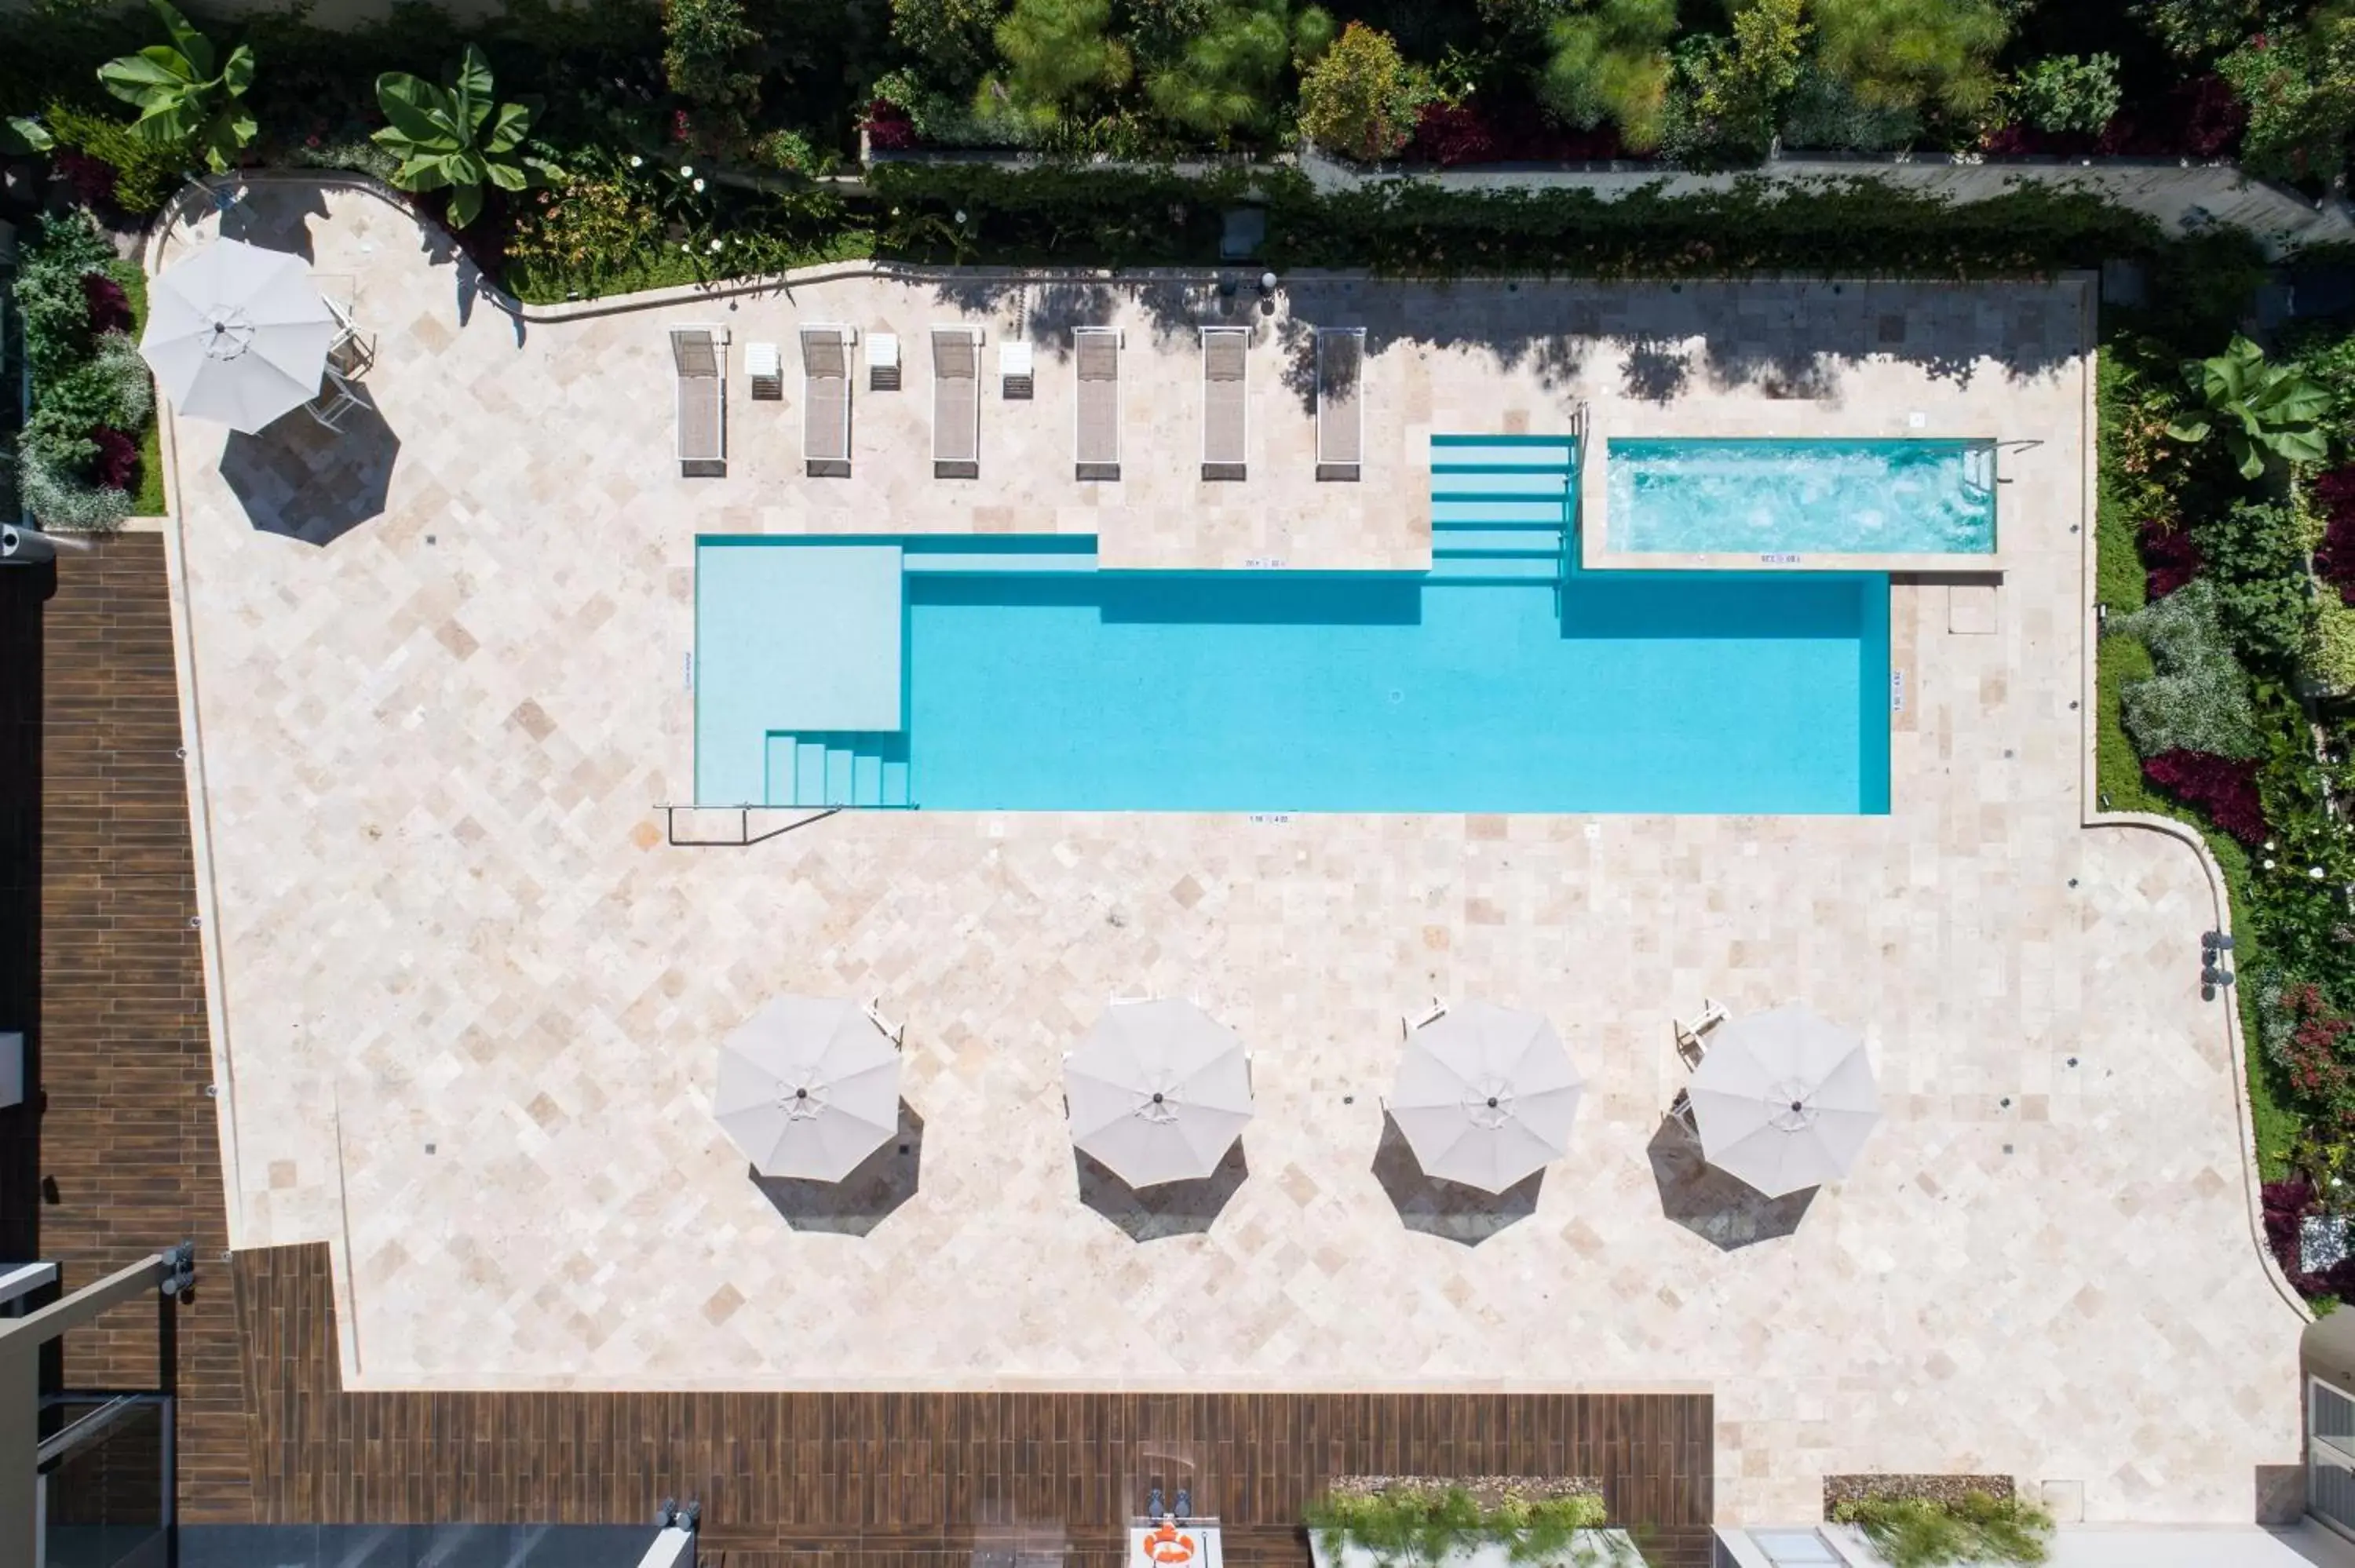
(1768,497)
(1229,693)
(1011,673)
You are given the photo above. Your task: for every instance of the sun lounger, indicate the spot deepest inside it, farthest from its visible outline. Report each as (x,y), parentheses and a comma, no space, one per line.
(1096,448)
(957,402)
(1224,415)
(1340,405)
(700,355)
(826,403)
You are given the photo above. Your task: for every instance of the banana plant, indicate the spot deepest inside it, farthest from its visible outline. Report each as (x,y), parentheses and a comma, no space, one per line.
(21,134)
(2260,408)
(456,136)
(186,95)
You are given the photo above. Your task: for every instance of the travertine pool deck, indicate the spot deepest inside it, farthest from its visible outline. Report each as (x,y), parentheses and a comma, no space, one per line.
(467,998)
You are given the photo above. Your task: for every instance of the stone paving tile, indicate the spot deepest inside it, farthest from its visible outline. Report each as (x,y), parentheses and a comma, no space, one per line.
(473,999)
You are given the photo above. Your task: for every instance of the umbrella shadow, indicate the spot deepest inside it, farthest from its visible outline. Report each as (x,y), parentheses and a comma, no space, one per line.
(1446,1209)
(1169,1209)
(876,1188)
(298,479)
(1724,1211)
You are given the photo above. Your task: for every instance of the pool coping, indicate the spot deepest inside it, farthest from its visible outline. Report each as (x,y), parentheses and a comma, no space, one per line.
(1592,502)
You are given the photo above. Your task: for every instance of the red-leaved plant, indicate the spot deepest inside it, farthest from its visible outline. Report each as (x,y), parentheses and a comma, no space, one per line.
(2170,559)
(2223,786)
(2334,558)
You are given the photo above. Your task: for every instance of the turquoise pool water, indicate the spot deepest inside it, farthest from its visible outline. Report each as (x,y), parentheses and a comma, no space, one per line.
(1801,497)
(1182,692)
(1013,674)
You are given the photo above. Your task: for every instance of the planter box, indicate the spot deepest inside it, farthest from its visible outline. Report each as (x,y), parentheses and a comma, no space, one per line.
(1588,1549)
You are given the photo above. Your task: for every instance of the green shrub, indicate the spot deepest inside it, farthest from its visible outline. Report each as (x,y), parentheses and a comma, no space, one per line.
(1825,113)
(2200,699)
(50,301)
(2299,86)
(1912,54)
(1728,90)
(2068,92)
(705,54)
(1976,1529)
(356,153)
(982,121)
(1611,62)
(950,38)
(55,495)
(146,172)
(2255,556)
(1362,98)
(1420,1524)
(2329,659)
(109,387)
(2200,29)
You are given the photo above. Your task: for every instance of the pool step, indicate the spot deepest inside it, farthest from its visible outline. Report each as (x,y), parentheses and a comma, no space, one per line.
(839,768)
(1460,540)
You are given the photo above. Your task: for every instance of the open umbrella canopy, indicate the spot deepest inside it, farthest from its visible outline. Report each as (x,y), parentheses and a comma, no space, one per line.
(1784,1101)
(1486,1096)
(808,1088)
(1159,1092)
(237,334)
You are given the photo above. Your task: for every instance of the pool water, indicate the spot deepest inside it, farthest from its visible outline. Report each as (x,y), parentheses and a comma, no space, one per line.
(1012,674)
(1801,497)
(1239,692)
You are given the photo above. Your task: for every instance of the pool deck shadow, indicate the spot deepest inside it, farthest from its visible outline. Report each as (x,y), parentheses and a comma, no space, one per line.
(1723,1211)
(1170,1209)
(877,1187)
(298,479)
(1449,1210)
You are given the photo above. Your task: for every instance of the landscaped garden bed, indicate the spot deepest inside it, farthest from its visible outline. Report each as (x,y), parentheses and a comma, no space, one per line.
(660,144)
(1939,1521)
(1480,1521)
(2227,684)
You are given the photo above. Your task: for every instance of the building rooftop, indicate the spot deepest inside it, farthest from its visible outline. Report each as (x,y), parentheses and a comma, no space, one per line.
(467,1001)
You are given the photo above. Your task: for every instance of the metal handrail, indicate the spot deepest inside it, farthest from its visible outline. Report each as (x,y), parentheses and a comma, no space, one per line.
(745,838)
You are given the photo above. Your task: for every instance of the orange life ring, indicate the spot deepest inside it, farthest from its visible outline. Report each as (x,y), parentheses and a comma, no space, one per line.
(1168,1547)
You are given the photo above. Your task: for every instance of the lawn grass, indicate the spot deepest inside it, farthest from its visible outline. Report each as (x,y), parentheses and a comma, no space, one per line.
(2120,661)
(147,500)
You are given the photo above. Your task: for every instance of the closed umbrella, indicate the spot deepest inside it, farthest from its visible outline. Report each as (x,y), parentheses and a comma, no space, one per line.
(1784,1101)
(1158,1093)
(808,1088)
(1485,1095)
(237,334)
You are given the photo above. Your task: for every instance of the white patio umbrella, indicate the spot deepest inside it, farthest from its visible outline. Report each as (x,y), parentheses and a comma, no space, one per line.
(1159,1092)
(1485,1095)
(1784,1101)
(237,334)
(808,1088)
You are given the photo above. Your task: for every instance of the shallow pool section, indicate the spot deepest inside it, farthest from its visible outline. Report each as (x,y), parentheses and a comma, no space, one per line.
(1034,681)
(1774,497)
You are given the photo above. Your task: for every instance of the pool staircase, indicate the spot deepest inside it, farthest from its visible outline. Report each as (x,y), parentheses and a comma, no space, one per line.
(839,768)
(1500,507)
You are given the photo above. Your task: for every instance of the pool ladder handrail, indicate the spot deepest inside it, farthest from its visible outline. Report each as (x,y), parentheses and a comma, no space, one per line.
(745,837)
